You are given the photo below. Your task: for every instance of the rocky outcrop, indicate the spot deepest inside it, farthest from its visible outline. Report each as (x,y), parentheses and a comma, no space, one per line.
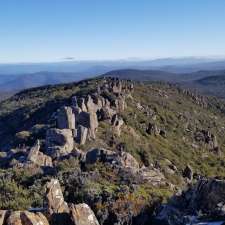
(127,166)
(152,176)
(55,199)
(188,172)
(59,142)
(29,218)
(91,106)
(206,198)
(106,113)
(100,155)
(127,160)
(86,111)
(116,86)
(122,159)
(120,103)
(25,218)
(89,120)
(206,137)
(198,99)
(86,120)
(82,214)
(142,175)
(117,123)
(37,157)
(65,118)
(82,134)
(58,209)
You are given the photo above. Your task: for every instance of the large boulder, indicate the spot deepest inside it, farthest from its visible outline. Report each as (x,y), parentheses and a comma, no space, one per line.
(123,159)
(90,121)
(39,158)
(117,123)
(127,160)
(26,218)
(120,104)
(82,133)
(29,218)
(91,106)
(101,155)
(55,199)
(152,176)
(82,214)
(66,118)
(93,125)
(59,142)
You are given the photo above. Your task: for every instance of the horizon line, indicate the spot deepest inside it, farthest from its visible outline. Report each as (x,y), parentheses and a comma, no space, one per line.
(134,59)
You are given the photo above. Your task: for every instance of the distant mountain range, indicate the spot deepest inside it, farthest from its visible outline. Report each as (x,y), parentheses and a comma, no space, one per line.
(24,81)
(206,82)
(205,75)
(181,65)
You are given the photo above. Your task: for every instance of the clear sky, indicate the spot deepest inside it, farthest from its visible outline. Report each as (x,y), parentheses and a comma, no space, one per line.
(51,30)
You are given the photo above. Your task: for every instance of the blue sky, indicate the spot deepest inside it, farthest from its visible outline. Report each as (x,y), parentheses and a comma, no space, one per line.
(50,30)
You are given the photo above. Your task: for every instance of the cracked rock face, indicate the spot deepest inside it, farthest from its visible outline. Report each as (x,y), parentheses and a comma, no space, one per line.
(124,159)
(59,142)
(82,214)
(26,218)
(82,133)
(117,123)
(55,199)
(39,158)
(66,118)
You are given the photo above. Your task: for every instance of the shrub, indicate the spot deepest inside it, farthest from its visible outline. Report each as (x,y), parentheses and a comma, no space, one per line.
(13,196)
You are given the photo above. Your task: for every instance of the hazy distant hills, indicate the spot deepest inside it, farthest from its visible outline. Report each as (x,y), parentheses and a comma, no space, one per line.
(20,82)
(142,75)
(211,85)
(181,65)
(206,82)
(158,75)
(198,73)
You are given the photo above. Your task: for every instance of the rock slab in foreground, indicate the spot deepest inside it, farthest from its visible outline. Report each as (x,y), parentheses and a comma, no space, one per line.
(82,214)
(2,216)
(26,218)
(55,199)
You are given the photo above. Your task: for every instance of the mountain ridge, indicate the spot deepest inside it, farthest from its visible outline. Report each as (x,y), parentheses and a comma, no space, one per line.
(121,147)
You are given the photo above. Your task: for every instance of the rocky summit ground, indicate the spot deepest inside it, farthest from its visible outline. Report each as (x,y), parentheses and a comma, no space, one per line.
(111,152)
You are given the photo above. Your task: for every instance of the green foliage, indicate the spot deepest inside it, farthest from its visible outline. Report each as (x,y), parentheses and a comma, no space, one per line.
(68,164)
(13,196)
(27,115)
